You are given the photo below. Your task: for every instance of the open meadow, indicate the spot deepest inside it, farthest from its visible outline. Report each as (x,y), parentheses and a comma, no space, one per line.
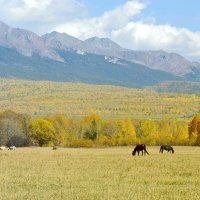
(107,173)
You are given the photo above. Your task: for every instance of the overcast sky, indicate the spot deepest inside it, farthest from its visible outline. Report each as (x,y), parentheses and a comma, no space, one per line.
(171,25)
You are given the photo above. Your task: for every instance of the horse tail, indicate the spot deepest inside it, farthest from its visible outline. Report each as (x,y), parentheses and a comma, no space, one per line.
(172,150)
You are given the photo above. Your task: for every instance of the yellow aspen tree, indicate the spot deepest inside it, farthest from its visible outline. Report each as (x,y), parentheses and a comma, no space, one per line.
(194,130)
(42,131)
(130,131)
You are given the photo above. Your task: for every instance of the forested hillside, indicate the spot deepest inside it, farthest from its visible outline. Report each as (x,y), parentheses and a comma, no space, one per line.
(178,87)
(41,98)
(79,67)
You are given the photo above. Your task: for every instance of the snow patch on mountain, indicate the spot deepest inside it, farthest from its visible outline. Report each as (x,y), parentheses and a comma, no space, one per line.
(114,60)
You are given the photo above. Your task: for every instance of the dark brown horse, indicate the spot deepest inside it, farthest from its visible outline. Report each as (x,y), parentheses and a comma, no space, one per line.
(138,148)
(168,148)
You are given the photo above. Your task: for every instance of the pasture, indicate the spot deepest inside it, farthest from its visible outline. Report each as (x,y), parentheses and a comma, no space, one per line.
(109,173)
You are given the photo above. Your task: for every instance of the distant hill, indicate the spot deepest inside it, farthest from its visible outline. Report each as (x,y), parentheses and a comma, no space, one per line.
(178,87)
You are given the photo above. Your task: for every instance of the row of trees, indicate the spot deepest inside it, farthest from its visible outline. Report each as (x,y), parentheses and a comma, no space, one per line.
(22,130)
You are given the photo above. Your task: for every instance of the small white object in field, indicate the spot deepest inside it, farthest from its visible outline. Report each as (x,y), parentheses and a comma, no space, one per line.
(12,148)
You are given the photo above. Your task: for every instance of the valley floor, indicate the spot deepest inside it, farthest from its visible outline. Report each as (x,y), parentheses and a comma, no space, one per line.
(107,173)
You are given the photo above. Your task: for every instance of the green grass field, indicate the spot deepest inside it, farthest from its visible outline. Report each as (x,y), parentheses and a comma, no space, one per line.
(110,173)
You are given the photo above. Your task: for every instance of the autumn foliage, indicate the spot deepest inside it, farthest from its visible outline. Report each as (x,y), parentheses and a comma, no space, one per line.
(194,130)
(93,130)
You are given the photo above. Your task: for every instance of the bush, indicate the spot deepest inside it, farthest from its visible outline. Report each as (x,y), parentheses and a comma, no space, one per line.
(103,141)
(81,143)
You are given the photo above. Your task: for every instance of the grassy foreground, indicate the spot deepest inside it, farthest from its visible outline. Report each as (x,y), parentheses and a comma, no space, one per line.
(110,173)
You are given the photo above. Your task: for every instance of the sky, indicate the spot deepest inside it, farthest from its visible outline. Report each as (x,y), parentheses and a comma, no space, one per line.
(170,25)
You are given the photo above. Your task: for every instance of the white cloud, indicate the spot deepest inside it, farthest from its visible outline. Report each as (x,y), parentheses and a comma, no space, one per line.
(119,25)
(137,35)
(102,26)
(40,15)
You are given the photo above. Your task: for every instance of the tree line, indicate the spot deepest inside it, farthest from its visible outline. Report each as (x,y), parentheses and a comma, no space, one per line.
(92,130)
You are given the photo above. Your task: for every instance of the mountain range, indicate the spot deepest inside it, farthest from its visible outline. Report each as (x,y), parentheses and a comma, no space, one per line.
(61,57)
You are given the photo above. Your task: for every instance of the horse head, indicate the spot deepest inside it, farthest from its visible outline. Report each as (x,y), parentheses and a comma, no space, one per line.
(133,153)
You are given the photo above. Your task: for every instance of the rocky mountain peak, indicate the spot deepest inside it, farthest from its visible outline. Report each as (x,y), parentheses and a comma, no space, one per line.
(3,25)
(25,42)
(61,41)
(103,43)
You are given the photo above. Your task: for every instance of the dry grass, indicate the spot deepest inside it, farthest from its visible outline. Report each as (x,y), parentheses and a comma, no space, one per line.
(110,173)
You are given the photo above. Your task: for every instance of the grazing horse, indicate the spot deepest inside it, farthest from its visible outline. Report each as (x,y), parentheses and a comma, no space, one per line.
(138,148)
(168,148)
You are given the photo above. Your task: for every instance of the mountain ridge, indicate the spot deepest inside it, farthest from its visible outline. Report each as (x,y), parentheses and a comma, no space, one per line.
(61,57)
(159,60)
(88,68)
(25,42)
(28,43)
